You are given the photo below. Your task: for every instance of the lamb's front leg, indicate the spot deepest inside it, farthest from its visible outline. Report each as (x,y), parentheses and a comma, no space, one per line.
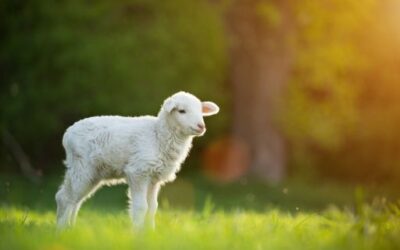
(138,186)
(152,194)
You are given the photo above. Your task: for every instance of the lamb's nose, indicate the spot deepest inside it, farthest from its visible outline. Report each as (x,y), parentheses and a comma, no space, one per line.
(201,126)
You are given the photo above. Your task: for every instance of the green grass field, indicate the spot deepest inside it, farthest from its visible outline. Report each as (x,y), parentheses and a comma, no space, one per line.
(197,214)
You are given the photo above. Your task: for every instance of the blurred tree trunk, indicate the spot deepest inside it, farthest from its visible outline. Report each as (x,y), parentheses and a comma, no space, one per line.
(261,56)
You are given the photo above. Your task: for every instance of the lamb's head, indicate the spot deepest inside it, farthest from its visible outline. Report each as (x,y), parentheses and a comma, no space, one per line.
(185,113)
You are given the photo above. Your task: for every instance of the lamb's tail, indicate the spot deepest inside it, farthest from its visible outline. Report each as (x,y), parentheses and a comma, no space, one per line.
(70,146)
(65,145)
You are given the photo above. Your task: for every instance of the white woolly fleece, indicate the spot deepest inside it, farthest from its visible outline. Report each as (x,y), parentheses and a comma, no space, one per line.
(145,151)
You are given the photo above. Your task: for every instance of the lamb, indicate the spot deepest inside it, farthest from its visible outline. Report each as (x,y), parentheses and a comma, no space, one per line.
(145,152)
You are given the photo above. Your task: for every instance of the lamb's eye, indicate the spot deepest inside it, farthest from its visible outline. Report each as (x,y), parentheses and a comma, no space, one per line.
(182,111)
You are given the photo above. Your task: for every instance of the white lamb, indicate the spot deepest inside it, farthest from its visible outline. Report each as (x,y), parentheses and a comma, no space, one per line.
(144,151)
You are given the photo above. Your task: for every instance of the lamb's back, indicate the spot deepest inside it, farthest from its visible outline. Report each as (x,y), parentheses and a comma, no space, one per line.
(107,131)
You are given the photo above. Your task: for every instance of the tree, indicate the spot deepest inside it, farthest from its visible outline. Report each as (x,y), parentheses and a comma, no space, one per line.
(261,60)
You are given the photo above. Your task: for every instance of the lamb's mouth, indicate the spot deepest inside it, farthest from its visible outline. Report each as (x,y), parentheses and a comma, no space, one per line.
(198,131)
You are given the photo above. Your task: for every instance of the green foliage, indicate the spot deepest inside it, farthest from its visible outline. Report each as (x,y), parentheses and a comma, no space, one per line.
(63,61)
(340,113)
(320,102)
(375,147)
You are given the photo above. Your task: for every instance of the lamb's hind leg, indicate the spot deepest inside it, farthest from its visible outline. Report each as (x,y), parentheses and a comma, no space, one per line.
(81,196)
(64,209)
(75,189)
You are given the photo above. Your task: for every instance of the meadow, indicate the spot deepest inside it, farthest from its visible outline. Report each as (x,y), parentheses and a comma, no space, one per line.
(199,214)
(305,89)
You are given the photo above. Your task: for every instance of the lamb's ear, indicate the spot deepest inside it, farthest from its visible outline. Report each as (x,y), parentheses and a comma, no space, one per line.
(169,105)
(209,108)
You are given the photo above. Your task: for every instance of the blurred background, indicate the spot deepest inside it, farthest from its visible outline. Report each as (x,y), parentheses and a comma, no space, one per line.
(308,90)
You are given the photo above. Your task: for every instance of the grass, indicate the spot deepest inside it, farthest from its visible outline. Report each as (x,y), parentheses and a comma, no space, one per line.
(196,214)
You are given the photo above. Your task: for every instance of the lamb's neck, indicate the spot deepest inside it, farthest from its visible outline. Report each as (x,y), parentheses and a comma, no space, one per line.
(169,137)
